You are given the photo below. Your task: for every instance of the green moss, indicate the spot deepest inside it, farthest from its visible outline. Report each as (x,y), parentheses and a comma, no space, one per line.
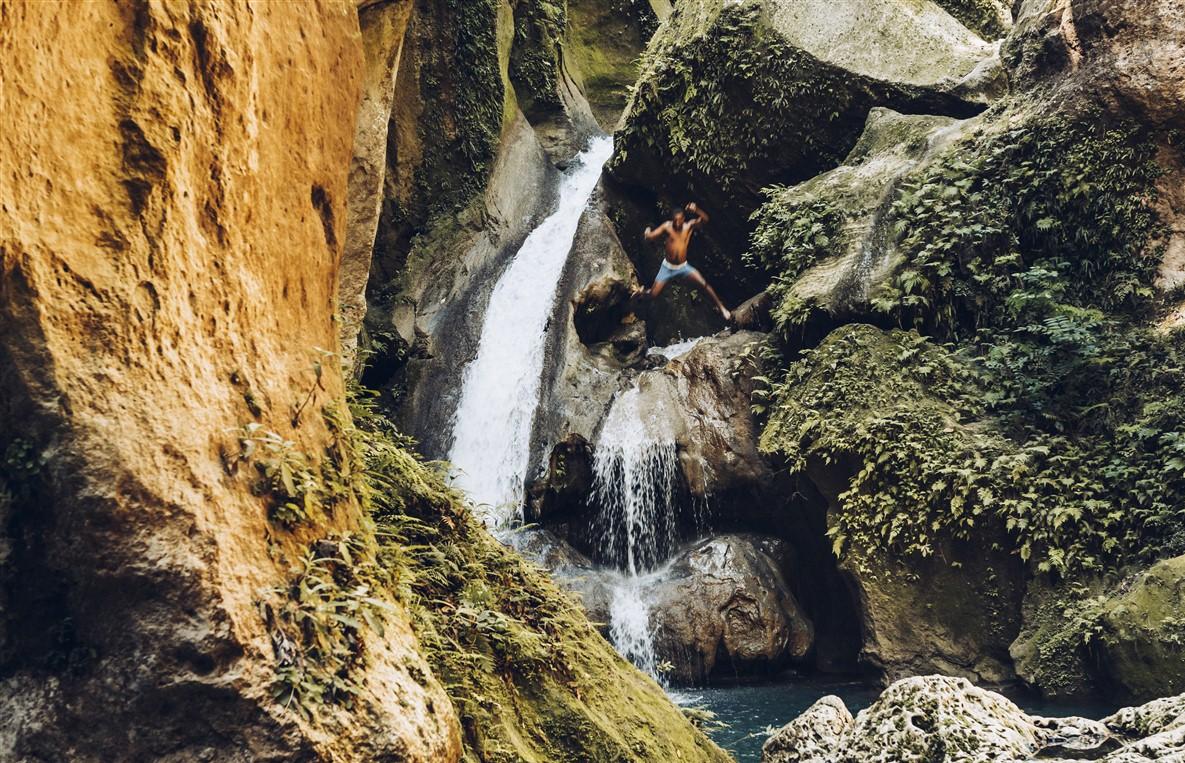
(462,91)
(530,678)
(1030,247)
(536,57)
(732,101)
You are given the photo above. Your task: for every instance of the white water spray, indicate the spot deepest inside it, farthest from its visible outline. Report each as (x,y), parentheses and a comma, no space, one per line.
(500,387)
(635,472)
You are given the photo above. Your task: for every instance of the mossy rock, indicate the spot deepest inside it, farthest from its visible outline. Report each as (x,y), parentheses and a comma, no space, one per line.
(529,676)
(1052,653)
(828,242)
(1141,633)
(990,19)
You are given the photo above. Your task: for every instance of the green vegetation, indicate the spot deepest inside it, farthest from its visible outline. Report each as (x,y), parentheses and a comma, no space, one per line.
(539,27)
(529,676)
(463,105)
(1053,411)
(790,237)
(316,627)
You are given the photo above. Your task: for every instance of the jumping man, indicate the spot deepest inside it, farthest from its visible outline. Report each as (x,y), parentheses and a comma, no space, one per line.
(678,232)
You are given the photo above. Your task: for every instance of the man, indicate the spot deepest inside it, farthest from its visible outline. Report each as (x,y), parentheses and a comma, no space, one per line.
(678,232)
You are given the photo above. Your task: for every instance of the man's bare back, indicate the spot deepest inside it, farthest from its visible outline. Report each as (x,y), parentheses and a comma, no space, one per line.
(677,232)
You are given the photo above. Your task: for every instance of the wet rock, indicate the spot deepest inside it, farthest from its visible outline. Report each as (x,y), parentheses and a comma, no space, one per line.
(580,380)
(812,737)
(600,307)
(562,494)
(754,313)
(705,397)
(723,608)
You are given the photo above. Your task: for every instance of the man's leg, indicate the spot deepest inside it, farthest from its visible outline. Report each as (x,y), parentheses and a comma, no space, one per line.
(653,292)
(699,281)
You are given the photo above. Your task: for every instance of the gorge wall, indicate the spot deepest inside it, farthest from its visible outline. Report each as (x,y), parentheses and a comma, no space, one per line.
(211,550)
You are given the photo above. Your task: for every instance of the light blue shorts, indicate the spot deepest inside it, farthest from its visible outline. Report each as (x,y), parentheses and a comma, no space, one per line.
(669,271)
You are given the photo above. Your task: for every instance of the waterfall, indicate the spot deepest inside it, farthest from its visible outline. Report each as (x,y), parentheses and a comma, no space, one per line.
(635,477)
(635,468)
(500,387)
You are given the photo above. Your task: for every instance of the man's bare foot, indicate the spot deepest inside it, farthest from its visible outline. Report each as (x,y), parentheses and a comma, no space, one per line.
(727,315)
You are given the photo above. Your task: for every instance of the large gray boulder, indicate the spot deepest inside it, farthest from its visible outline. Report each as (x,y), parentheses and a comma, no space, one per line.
(722,608)
(812,737)
(936,718)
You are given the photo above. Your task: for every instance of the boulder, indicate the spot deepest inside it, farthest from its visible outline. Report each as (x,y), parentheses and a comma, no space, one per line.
(722,608)
(586,351)
(950,606)
(705,395)
(736,96)
(1140,641)
(930,718)
(1051,653)
(172,212)
(1124,53)
(812,737)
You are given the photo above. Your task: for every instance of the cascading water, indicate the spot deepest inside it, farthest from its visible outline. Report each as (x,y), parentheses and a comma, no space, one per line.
(500,387)
(635,468)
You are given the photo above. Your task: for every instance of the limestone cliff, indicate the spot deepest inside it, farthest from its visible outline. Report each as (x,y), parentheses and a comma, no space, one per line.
(173,213)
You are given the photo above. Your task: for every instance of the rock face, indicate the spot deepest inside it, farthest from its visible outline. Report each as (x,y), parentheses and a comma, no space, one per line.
(722,608)
(383,27)
(938,718)
(707,394)
(173,213)
(1141,642)
(955,610)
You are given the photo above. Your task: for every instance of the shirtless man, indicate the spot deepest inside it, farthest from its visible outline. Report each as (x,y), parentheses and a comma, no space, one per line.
(678,232)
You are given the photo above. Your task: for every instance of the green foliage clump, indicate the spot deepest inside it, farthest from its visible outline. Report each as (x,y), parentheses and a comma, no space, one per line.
(317,626)
(791,236)
(914,429)
(1045,200)
(302,489)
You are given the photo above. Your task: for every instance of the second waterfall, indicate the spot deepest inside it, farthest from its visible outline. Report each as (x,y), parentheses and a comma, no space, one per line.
(500,388)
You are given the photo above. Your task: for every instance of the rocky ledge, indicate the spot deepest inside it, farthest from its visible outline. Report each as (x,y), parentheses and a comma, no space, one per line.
(936,718)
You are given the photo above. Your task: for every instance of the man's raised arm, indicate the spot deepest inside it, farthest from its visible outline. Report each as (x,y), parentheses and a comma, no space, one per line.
(701,217)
